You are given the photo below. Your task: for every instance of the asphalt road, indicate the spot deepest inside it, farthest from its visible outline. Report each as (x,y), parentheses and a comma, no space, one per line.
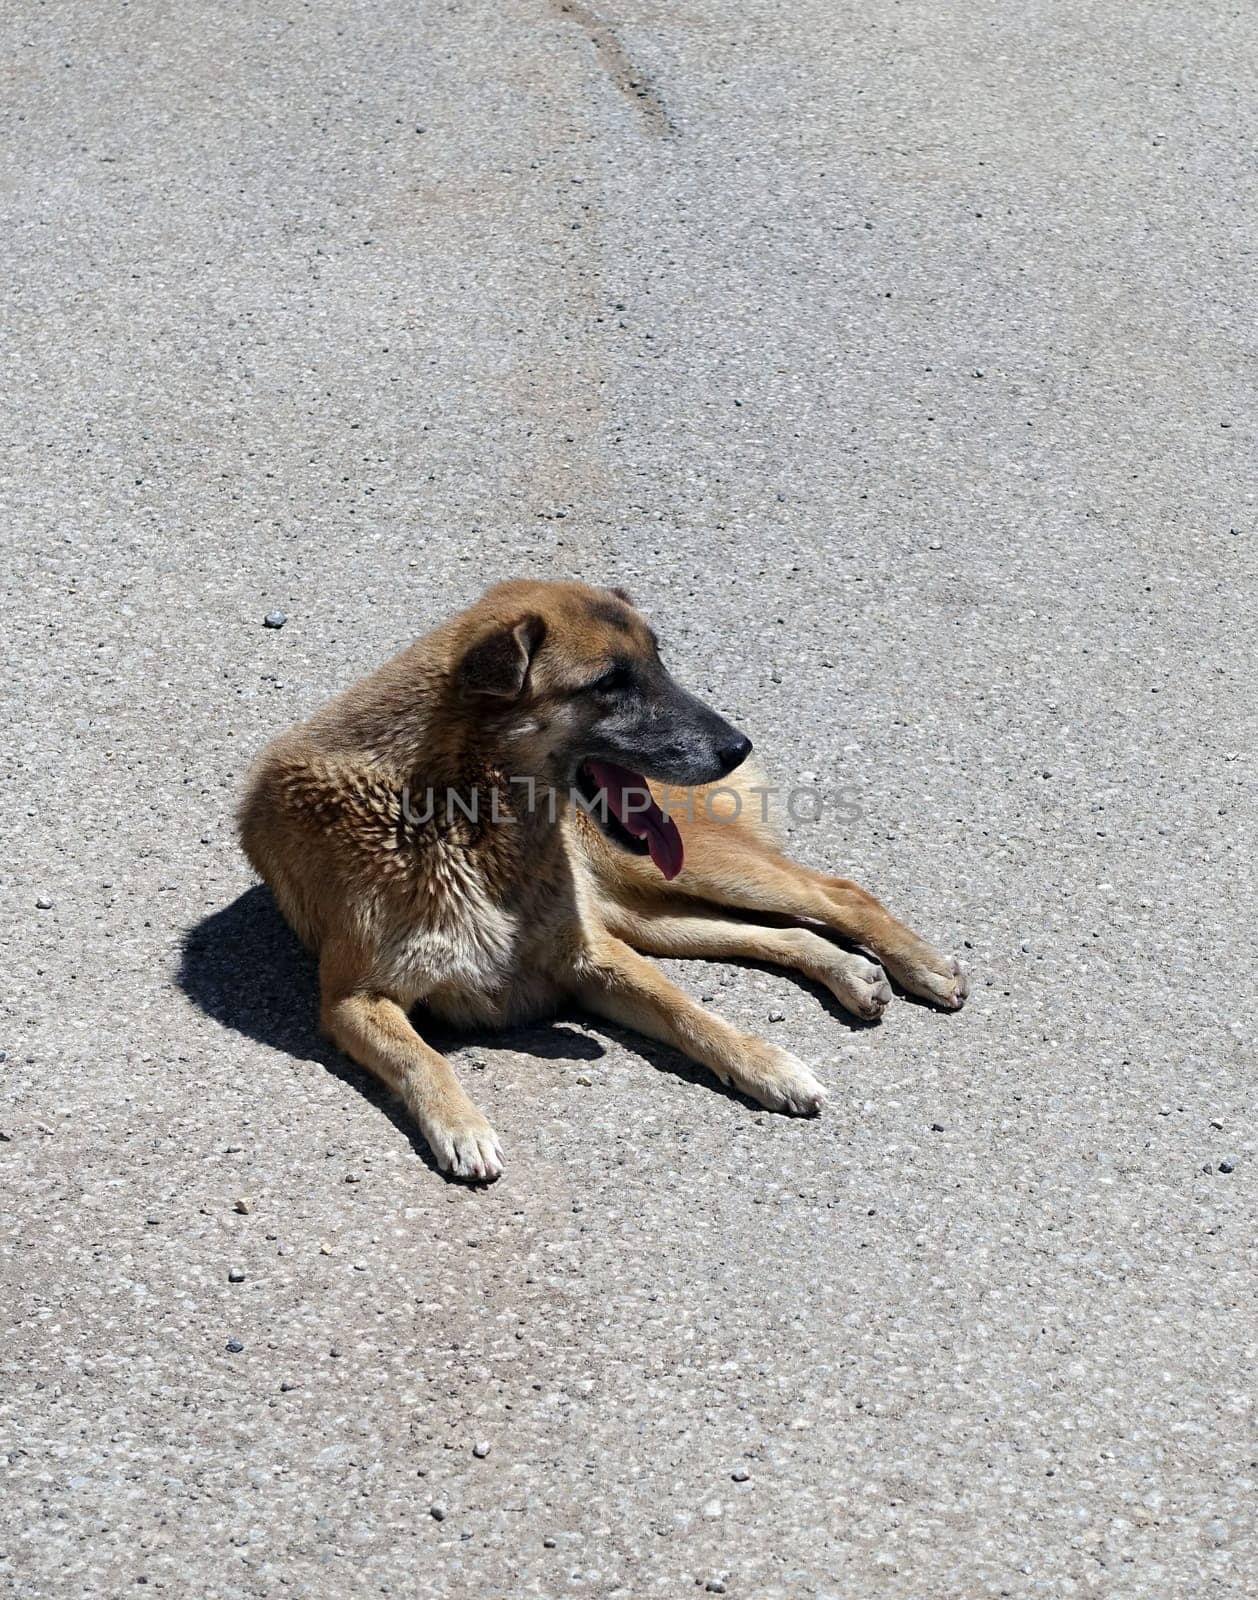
(899,359)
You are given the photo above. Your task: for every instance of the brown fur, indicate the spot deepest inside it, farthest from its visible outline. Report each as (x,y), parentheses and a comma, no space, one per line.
(494,921)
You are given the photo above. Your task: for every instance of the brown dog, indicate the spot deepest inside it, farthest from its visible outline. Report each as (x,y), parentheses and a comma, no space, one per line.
(427,835)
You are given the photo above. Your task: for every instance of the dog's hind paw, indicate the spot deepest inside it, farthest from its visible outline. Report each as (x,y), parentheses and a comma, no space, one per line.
(859,986)
(940,979)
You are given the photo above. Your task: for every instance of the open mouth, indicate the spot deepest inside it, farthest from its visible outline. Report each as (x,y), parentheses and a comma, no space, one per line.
(621,804)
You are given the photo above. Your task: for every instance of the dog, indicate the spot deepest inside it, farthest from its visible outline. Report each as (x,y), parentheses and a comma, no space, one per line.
(488,825)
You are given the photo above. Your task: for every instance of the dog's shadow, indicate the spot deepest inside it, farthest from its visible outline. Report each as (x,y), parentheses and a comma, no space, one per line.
(244,967)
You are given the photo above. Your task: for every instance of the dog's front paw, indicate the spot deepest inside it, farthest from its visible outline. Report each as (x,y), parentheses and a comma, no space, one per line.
(938,978)
(781,1082)
(466,1147)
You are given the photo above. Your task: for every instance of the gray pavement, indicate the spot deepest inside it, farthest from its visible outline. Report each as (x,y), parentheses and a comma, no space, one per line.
(899,359)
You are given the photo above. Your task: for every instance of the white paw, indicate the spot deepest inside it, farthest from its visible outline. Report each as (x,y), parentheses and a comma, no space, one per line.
(861,987)
(950,986)
(938,978)
(468,1149)
(781,1082)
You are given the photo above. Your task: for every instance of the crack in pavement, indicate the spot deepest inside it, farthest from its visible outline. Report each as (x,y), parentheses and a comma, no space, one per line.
(620,66)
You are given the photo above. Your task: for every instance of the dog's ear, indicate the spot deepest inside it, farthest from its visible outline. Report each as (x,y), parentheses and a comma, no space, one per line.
(498,663)
(621,594)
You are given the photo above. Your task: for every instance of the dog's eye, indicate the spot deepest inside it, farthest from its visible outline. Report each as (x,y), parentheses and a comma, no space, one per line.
(613,680)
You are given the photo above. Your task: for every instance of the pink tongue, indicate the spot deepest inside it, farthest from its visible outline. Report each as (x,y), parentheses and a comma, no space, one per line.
(629,799)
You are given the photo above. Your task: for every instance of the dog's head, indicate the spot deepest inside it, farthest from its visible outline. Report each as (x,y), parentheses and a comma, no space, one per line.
(568,680)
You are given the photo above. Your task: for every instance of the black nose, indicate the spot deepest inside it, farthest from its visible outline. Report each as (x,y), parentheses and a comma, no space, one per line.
(734,753)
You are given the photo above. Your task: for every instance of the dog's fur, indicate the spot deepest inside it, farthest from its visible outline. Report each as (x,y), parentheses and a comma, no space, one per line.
(506,916)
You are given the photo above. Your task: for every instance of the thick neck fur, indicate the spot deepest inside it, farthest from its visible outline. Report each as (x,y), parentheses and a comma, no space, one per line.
(409,720)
